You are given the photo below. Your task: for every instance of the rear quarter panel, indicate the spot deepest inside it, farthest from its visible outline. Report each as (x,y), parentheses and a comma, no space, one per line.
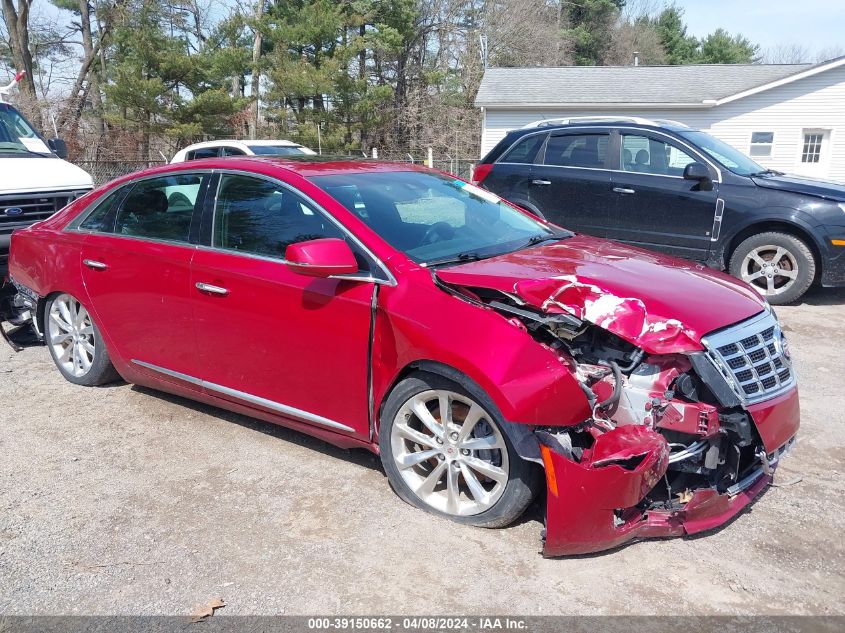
(45,258)
(47,262)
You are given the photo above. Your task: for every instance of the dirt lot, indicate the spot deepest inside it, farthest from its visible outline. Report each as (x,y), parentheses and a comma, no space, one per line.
(120,500)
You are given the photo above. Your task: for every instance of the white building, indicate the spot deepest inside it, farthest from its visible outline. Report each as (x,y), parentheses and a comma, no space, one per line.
(789,117)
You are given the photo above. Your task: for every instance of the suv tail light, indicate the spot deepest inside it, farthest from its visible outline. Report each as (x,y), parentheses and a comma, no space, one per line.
(480,172)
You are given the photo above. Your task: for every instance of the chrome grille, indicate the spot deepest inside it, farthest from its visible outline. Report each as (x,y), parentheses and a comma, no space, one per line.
(753,356)
(17,210)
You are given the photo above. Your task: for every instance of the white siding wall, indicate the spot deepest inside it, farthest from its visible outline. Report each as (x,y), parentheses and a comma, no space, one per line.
(816,102)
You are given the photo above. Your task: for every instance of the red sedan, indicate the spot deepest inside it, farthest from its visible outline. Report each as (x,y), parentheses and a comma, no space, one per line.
(469,344)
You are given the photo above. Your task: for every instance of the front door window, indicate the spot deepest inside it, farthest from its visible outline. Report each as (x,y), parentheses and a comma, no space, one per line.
(646,155)
(262,218)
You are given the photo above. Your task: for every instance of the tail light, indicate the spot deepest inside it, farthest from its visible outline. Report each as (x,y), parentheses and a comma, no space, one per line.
(480,172)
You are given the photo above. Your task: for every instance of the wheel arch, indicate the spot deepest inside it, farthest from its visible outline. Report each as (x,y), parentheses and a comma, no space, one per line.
(521,436)
(41,313)
(781,226)
(41,309)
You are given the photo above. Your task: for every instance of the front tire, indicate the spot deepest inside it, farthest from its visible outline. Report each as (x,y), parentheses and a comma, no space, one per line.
(779,266)
(461,465)
(75,343)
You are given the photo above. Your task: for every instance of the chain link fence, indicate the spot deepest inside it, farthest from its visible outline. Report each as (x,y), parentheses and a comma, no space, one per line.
(103,171)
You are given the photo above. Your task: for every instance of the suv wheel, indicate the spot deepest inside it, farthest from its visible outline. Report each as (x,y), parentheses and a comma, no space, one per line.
(779,266)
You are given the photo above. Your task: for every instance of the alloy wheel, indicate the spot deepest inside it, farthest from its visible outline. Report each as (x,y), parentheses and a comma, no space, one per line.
(449,452)
(771,269)
(70,332)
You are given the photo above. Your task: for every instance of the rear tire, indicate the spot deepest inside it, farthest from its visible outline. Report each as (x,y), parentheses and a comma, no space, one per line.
(465,470)
(778,265)
(75,342)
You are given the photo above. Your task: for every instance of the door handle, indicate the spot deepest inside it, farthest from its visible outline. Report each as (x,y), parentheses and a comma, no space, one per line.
(624,190)
(541,182)
(211,289)
(91,263)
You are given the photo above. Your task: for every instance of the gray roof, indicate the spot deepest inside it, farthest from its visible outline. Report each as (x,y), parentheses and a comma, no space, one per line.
(573,85)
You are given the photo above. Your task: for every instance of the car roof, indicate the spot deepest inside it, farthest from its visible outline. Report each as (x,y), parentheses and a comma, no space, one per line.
(241,142)
(269,143)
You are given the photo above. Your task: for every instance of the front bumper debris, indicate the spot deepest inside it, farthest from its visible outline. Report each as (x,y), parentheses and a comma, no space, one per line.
(18,305)
(596,504)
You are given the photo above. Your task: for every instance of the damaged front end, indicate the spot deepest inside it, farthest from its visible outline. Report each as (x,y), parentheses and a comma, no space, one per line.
(18,308)
(685,430)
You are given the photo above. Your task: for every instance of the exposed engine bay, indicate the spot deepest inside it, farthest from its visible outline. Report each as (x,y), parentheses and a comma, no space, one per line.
(669,437)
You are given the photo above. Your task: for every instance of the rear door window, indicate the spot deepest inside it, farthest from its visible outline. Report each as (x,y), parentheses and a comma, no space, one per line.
(101,219)
(160,208)
(587,151)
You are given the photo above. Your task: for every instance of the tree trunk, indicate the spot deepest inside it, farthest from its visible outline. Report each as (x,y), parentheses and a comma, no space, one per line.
(362,56)
(256,68)
(91,53)
(17,21)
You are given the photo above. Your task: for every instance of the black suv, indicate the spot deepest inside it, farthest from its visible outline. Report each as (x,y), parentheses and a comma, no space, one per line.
(664,186)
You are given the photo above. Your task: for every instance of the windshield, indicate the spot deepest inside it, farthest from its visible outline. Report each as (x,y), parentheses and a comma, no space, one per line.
(435,219)
(276,150)
(727,156)
(16,134)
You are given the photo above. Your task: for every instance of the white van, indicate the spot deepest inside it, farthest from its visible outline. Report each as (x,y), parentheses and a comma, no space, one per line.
(35,180)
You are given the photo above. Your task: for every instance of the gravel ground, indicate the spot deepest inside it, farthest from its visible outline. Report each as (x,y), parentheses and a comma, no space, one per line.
(121,500)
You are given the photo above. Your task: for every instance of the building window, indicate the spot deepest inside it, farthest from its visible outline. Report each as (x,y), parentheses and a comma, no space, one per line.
(812,150)
(761,143)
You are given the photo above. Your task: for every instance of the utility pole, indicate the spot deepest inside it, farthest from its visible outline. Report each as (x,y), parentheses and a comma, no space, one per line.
(319,137)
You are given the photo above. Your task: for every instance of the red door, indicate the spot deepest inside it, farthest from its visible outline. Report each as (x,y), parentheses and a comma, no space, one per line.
(140,297)
(271,338)
(137,275)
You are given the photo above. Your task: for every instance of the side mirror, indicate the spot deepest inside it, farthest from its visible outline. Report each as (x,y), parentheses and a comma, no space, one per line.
(58,147)
(696,171)
(321,258)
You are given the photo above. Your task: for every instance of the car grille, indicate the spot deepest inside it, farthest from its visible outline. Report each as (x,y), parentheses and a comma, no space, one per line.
(754,358)
(19,210)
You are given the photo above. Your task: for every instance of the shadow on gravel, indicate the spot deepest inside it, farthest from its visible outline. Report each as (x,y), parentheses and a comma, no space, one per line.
(818,296)
(535,513)
(22,336)
(359,457)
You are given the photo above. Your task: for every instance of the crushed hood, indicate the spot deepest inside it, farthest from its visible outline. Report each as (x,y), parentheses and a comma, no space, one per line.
(32,174)
(661,304)
(803,184)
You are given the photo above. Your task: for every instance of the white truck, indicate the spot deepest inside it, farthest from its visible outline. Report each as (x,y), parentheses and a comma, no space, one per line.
(35,180)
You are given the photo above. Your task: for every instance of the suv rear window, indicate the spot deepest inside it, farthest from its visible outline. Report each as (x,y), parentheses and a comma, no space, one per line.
(577,150)
(525,151)
(203,152)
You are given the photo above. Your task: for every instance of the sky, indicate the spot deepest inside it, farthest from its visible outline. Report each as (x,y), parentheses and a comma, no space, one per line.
(814,24)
